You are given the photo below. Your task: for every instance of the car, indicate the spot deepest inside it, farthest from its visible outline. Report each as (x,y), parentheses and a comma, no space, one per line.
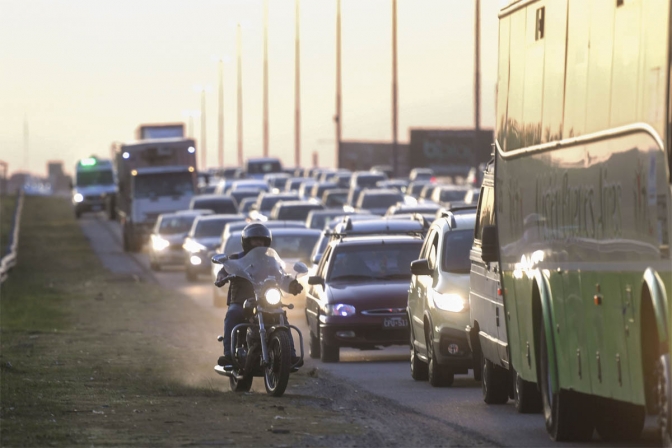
(257,168)
(218,203)
(200,244)
(399,209)
(170,230)
(293,183)
(385,169)
(361,180)
(396,184)
(276,181)
(421,174)
(320,187)
(335,198)
(438,303)
(378,201)
(292,244)
(249,184)
(306,188)
(340,178)
(317,219)
(245,205)
(265,202)
(293,210)
(243,193)
(449,193)
(426,192)
(358,296)
(471,196)
(414,188)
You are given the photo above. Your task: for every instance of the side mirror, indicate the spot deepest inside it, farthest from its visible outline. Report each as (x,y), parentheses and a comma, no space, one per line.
(300,268)
(489,244)
(420,267)
(315,280)
(219,258)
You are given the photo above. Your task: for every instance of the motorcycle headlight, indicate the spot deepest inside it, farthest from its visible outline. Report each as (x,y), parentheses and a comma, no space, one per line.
(272,296)
(158,243)
(341,309)
(450,302)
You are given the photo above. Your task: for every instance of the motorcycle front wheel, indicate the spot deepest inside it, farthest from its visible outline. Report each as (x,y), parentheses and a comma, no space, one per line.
(276,374)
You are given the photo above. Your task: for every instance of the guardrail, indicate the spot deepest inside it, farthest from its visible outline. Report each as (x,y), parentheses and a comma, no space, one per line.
(9,258)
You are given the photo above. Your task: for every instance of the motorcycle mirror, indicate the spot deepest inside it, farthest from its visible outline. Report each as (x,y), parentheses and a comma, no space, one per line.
(219,258)
(300,267)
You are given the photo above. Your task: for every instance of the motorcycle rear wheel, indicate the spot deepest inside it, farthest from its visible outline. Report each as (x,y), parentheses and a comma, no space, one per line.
(276,375)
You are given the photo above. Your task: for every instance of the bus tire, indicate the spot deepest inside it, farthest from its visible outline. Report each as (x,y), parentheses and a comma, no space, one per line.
(570,416)
(494,383)
(663,377)
(526,395)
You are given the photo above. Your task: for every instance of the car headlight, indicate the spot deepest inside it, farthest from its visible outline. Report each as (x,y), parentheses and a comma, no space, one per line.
(340,309)
(272,296)
(193,247)
(158,243)
(195,260)
(450,302)
(78,197)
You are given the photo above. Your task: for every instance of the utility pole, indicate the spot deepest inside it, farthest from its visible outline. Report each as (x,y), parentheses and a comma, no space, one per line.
(297,89)
(395,92)
(240,99)
(338,118)
(265,78)
(203,133)
(220,118)
(477,74)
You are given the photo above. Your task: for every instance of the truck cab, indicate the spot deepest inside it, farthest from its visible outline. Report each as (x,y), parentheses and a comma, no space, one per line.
(95,187)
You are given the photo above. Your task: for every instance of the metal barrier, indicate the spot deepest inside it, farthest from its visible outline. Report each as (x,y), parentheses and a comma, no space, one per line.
(8,260)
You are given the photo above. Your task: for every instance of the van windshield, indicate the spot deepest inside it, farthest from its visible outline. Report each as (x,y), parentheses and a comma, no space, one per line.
(88,178)
(162,184)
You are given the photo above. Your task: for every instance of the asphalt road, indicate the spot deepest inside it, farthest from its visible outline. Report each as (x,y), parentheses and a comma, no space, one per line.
(382,372)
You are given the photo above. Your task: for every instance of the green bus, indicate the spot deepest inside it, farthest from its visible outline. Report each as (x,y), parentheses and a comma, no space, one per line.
(584,210)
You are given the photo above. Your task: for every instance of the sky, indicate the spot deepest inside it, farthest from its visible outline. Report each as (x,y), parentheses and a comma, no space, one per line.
(79,74)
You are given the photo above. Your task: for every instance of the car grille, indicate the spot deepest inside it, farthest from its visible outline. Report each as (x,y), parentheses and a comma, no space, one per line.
(384,312)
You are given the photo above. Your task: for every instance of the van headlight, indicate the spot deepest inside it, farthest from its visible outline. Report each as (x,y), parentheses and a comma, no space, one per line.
(78,197)
(272,296)
(450,302)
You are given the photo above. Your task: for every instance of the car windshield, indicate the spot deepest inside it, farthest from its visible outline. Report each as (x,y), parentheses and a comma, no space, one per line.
(86,178)
(336,199)
(162,184)
(210,228)
(380,200)
(451,195)
(267,202)
(175,224)
(369,180)
(381,262)
(456,247)
(296,212)
(224,206)
(242,194)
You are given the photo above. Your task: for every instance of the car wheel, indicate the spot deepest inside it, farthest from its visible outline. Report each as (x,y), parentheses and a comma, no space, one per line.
(527,396)
(495,383)
(314,346)
(78,214)
(328,353)
(419,370)
(438,375)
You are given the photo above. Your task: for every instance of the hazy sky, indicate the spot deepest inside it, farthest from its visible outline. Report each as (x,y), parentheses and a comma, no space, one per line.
(85,73)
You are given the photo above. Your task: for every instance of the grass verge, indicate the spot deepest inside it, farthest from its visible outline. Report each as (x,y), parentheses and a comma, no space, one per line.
(91,358)
(7,206)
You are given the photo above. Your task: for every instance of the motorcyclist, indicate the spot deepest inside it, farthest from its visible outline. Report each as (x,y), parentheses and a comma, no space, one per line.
(240,289)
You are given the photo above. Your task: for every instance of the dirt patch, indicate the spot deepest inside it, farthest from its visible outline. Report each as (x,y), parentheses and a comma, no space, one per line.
(89,358)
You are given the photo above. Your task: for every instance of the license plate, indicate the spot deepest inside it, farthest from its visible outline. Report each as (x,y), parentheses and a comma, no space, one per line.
(395,322)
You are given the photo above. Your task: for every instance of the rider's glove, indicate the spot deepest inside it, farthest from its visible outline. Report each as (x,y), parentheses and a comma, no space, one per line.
(221,278)
(295,287)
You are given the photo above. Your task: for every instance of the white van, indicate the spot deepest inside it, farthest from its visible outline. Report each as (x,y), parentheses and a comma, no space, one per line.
(487,330)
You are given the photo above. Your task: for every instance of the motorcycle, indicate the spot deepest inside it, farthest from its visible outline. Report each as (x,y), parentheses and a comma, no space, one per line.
(261,346)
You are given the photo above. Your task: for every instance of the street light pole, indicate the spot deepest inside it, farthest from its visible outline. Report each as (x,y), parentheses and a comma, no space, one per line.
(265,78)
(202,145)
(220,118)
(395,92)
(338,117)
(240,99)
(297,90)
